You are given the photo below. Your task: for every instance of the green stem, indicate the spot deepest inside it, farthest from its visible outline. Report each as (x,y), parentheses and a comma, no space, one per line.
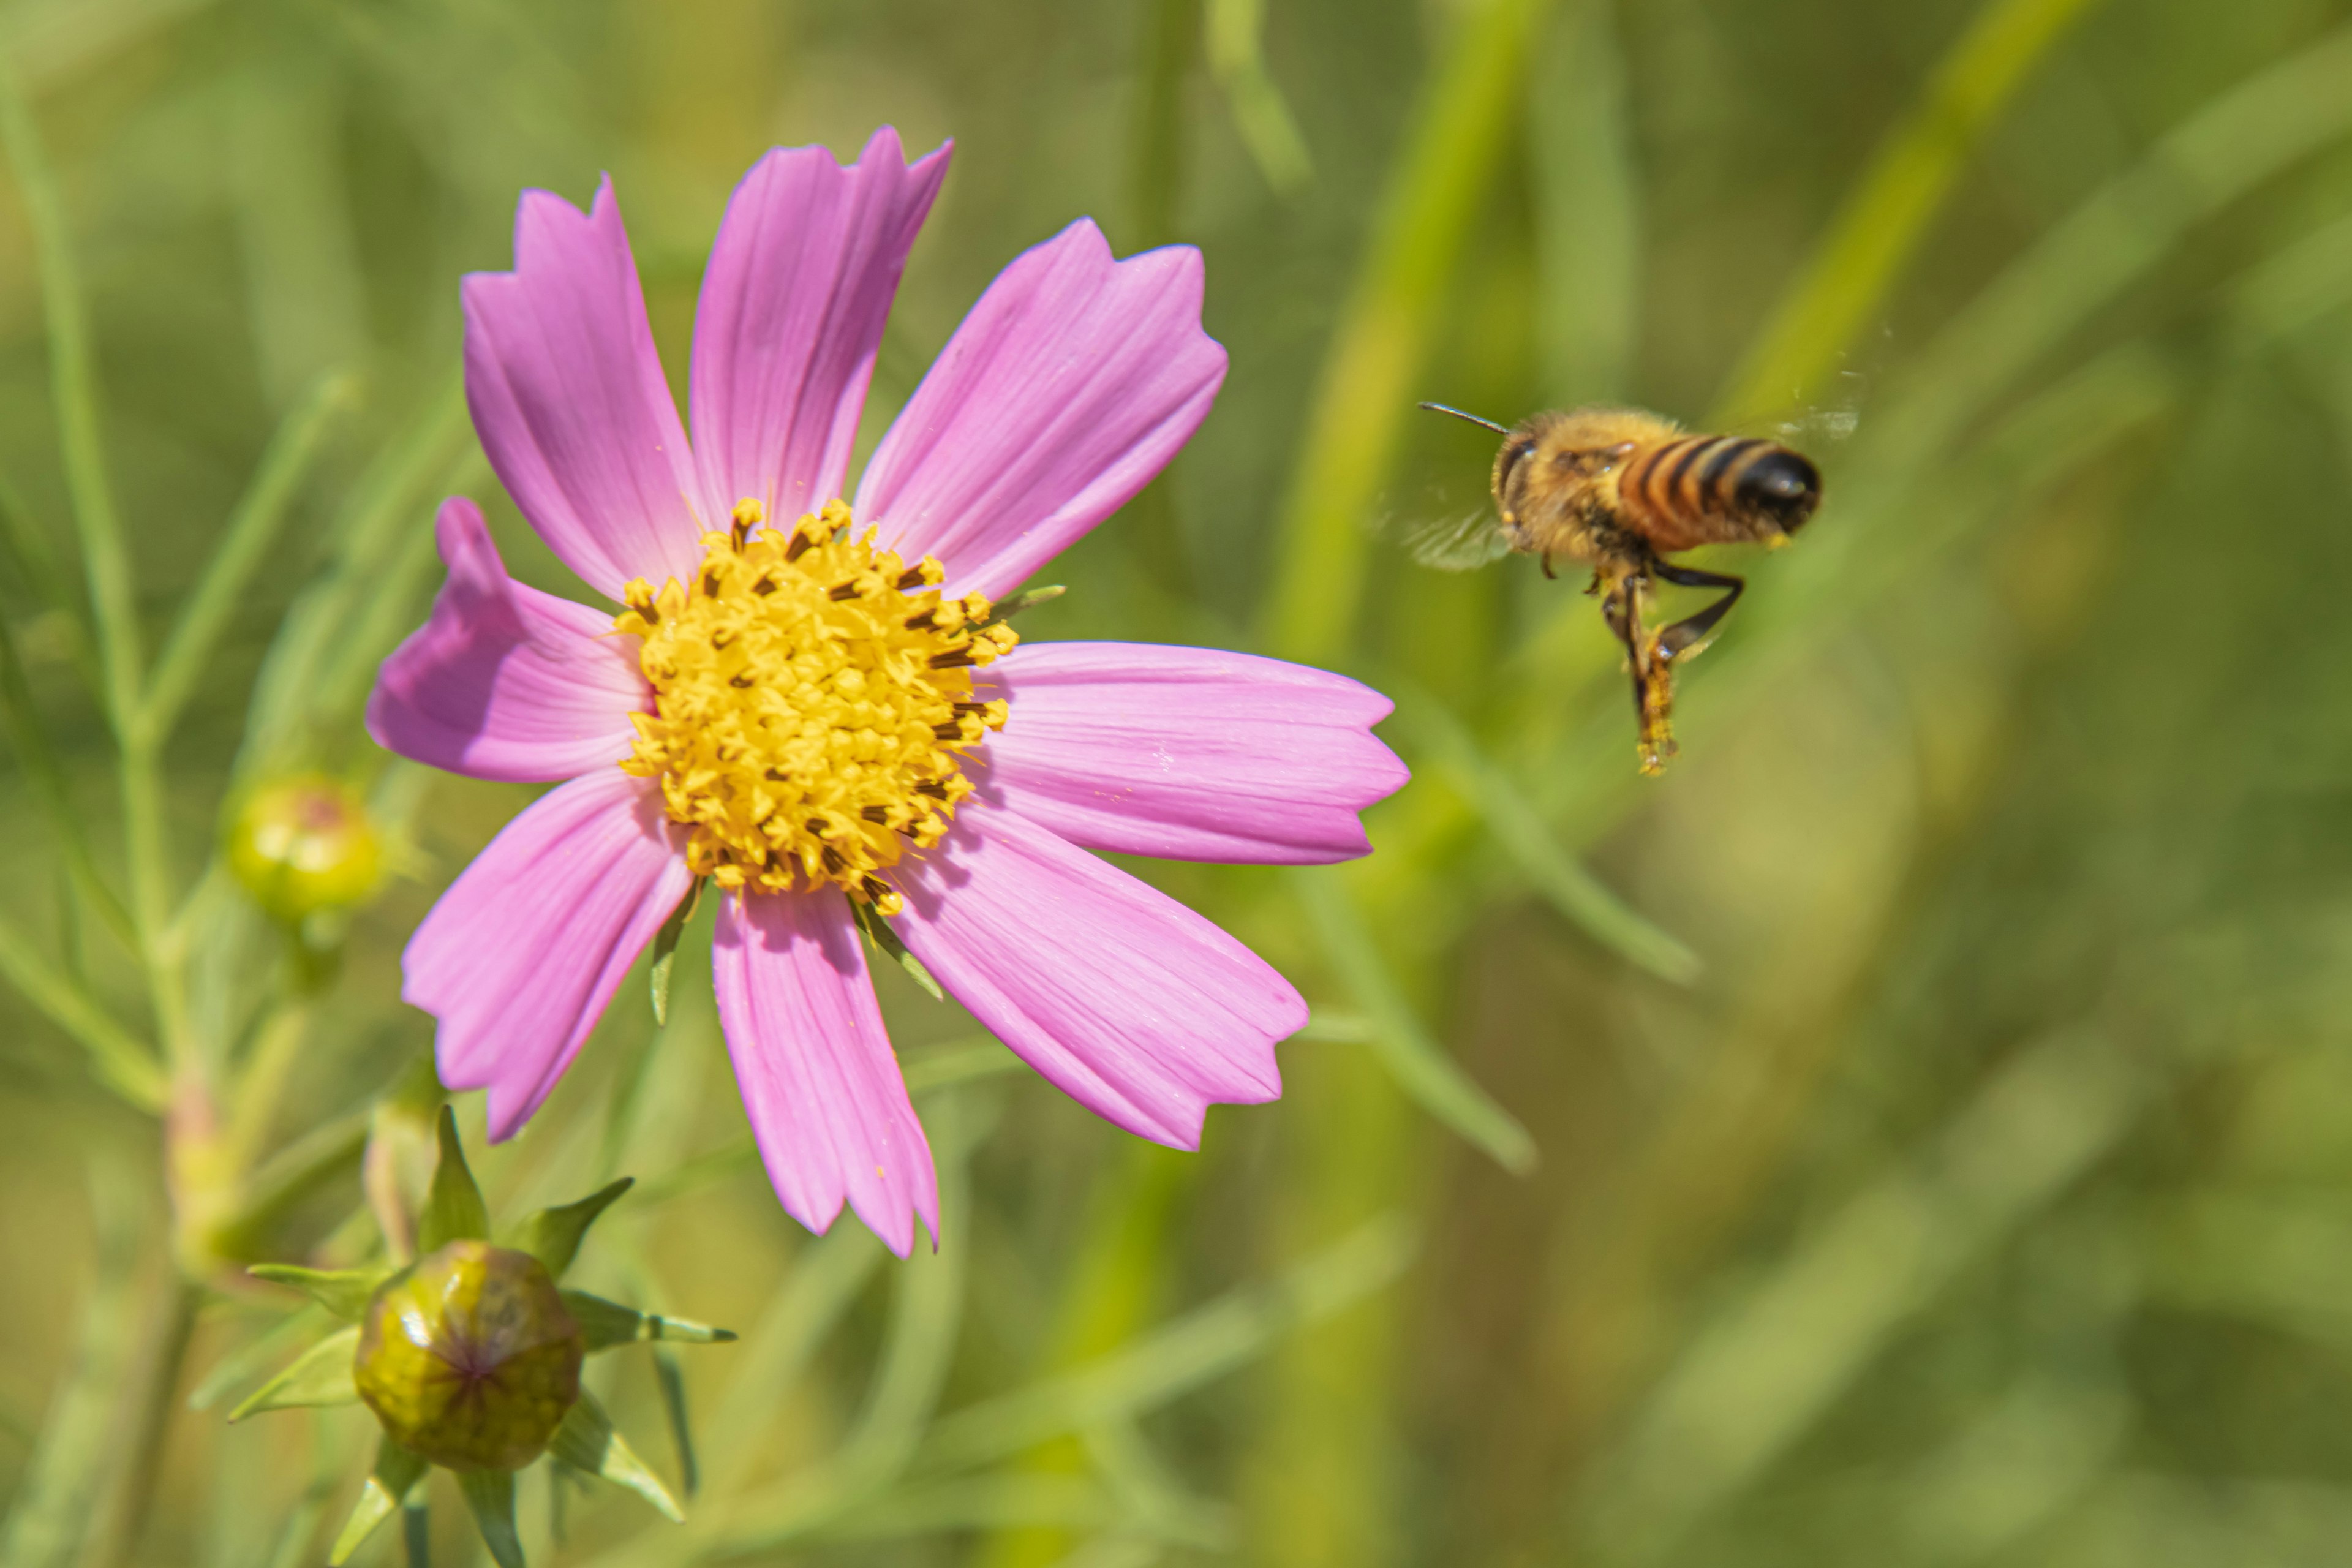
(73,386)
(1877,230)
(153,1396)
(251,529)
(123,1061)
(1452,151)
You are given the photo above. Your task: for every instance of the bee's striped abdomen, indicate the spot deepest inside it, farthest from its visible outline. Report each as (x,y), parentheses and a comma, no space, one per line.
(1704,490)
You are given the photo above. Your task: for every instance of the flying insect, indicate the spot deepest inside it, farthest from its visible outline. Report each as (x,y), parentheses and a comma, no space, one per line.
(1618,490)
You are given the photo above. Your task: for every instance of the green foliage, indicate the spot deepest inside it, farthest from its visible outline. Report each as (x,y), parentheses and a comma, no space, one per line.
(1909,1133)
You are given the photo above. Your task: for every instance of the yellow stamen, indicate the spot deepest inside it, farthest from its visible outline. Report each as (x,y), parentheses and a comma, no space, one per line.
(811,712)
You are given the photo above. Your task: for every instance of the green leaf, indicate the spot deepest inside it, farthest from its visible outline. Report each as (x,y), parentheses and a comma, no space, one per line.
(342,1291)
(608,1324)
(264,1349)
(669,1377)
(242,550)
(320,1375)
(1420,1066)
(586,1441)
(1028,599)
(490,1495)
(396,1472)
(1887,213)
(553,1235)
(1586,900)
(453,1210)
(665,947)
(878,932)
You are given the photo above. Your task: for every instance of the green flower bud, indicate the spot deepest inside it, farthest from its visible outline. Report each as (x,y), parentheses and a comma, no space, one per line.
(303,845)
(469,1359)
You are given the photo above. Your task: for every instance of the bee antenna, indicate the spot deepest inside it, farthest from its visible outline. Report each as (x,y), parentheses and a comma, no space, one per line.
(1473,418)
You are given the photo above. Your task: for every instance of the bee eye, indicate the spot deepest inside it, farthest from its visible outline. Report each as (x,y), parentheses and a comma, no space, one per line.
(1514,456)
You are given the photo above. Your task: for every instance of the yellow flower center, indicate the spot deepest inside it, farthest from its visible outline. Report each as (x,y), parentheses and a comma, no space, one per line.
(813,701)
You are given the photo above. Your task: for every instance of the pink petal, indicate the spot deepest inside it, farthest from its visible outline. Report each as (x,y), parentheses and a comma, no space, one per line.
(1132,1005)
(1071,383)
(1188,753)
(523,951)
(800,283)
(569,400)
(826,1101)
(504,682)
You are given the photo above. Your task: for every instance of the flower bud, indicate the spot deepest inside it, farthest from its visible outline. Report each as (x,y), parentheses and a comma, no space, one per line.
(303,845)
(469,1359)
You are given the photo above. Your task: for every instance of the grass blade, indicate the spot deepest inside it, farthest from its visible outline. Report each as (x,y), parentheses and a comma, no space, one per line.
(1417,1062)
(1202,1345)
(1453,148)
(122,1062)
(1514,821)
(1878,230)
(73,387)
(252,528)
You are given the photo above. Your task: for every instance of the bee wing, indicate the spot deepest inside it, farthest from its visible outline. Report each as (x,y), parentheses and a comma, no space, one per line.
(1457,544)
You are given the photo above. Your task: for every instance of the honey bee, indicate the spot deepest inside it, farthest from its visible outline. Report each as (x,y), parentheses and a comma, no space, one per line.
(1618,490)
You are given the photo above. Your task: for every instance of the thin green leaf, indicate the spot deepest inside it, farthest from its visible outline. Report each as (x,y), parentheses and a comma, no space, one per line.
(372,533)
(266,1348)
(123,1064)
(1587,207)
(344,1292)
(1587,902)
(490,1495)
(608,1324)
(1420,1066)
(669,1377)
(665,947)
(939,1068)
(1845,287)
(553,1235)
(27,551)
(320,1375)
(1196,1348)
(586,1441)
(878,931)
(1237,60)
(58,1492)
(251,529)
(1455,146)
(1004,609)
(29,737)
(73,388)
(396,1472)
(453,1210)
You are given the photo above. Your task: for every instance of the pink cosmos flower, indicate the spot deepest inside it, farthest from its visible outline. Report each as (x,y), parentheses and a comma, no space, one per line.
(810,703)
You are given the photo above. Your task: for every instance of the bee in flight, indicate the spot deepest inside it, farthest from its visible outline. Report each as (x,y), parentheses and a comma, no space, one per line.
(1618,490)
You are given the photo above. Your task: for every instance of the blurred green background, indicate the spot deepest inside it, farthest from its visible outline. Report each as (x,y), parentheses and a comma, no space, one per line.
(1918,1130)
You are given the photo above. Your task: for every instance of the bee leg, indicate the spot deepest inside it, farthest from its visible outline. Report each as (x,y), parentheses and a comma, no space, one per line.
(1547,566)
(1686,636)
(1653,676)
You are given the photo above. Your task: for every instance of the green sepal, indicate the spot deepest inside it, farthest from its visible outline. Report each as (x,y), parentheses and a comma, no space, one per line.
(608,1324)
(396,1472)
(1028,599)
(320,1375)
(453,1210)
(669,1376)
(553,1235)
(245,1363)
(342,1291)
(878,932)
(665,947)
(490,1495)
(586,1441)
